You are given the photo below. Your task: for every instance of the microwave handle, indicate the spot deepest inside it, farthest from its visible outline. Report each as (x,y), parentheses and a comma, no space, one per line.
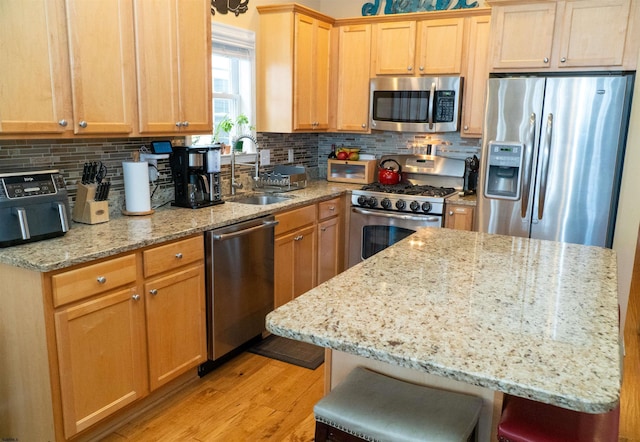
(431,98)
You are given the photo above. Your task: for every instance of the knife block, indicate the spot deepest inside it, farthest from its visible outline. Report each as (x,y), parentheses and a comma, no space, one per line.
(86,209)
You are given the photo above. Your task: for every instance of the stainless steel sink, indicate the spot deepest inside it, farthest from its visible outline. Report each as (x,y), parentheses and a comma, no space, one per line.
(260,200)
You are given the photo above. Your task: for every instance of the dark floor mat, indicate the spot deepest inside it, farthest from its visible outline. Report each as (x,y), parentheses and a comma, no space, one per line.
(288,350)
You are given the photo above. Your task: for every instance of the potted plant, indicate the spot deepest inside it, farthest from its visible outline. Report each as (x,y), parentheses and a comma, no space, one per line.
(241,123)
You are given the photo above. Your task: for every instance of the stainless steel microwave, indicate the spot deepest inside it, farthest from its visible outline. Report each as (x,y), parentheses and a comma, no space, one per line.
(415,104)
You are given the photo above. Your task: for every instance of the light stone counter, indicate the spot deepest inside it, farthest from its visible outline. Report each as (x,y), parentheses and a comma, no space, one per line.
(85,243)
(537,319)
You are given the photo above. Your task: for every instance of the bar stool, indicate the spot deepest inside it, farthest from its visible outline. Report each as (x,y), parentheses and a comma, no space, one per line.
(373,407)
(524,420)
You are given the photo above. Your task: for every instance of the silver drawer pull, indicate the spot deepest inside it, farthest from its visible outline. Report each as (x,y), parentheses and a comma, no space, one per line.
(101,279)
(298,238)
(178,255)
(136,297)
(332,208)
(154,292)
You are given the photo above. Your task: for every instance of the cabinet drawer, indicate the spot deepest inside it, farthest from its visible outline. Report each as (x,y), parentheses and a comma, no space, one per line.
(170,256)
(87,281)
(295,218)
(327,209)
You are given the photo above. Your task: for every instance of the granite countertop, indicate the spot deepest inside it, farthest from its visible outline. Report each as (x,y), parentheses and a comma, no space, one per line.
(532,318)
(467,200)
(83,243)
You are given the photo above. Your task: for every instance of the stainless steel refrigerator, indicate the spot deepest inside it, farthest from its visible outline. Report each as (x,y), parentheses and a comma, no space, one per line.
(552,156)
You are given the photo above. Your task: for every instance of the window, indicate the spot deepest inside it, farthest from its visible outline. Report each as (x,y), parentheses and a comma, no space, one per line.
(233,72)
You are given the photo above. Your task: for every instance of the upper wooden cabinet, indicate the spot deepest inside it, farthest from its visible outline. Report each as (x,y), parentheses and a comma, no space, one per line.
(293,67)
(173,60)
(425,47)
(352,95)
(563,35)
(475,72)
(35,94)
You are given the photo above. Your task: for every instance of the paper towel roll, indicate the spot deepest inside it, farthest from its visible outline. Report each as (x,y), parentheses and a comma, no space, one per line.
(136,186)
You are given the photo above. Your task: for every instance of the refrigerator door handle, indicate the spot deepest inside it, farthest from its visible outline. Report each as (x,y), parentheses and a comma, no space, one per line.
(432,96)
(544,171)
(526,176)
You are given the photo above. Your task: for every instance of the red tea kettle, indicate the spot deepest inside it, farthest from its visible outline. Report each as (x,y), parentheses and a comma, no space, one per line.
(388,175)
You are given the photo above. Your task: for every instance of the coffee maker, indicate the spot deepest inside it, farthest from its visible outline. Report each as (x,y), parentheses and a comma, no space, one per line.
(472,164)
(196,176)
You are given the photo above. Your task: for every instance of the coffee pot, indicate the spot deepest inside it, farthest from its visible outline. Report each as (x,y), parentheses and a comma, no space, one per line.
(472,164)
(196,176)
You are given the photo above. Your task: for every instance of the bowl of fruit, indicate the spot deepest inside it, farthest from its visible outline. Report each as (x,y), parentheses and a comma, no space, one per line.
(348,153)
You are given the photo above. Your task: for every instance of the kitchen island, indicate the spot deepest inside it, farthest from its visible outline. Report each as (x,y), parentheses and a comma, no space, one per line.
(536,319)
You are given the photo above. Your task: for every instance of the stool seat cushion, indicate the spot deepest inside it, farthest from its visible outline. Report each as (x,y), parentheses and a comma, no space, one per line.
(524,420)
(376,407)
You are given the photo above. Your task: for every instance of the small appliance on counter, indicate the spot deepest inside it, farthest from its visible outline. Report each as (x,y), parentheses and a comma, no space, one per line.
(196,176)
(34,205)
(283,178)
(472,164)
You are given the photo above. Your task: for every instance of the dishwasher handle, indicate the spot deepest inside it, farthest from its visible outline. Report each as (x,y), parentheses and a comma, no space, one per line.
(225,236)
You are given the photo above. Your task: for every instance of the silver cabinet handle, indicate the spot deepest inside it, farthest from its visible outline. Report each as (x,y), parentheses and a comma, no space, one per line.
(563,59)
(154,292)
(178,255)
(545,59)
(421,68)
(101,279)
(298,238)
(82,124)
(24,224)
(63,123)
(136,297)
(185,124)
(332,208)
(409,68)
(323,229)
(450,212)
(364,125)
(178,123)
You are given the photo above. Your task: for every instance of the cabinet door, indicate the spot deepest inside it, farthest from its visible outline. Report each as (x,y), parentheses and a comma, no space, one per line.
(594,33)
(101,357)
(440,46)
(354,60)
(394,47)
(173,56)
(477,73)
(459,217)
(102,65)
(176,327)
(295,264)
(35,95)
(329,246)
(522,35)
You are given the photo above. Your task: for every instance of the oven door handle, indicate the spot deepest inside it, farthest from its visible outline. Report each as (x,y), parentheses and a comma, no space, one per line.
(396,216)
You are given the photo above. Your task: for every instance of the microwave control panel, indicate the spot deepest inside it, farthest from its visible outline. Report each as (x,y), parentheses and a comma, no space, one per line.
(445,106)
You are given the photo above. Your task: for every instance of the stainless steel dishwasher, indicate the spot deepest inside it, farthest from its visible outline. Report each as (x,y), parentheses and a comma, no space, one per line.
(239,273)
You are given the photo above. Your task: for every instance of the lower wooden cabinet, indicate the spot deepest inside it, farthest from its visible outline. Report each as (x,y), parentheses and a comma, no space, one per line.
(330,239)
(459,217)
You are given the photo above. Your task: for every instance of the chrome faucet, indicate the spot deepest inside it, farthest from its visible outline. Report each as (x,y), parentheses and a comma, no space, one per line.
(235,185)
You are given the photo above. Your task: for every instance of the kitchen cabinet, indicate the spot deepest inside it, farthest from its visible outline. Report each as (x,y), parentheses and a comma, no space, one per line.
(293,63)
(173,60)
(295,254)
(594,34)
(101,55)
(475,73)
(35,95)
(459,216)
(330,234)
(425,47)
(354,60)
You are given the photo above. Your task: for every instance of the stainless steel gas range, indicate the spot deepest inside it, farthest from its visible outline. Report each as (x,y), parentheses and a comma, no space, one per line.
(382,215)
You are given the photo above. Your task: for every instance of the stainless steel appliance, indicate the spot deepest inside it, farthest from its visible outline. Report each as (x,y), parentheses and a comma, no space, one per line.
(34,205)
(196,176)
(415,104)
(552,156)
(239,274)
(382,215)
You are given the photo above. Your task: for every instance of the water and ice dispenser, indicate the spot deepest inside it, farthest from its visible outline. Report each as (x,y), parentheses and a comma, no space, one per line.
(504,170)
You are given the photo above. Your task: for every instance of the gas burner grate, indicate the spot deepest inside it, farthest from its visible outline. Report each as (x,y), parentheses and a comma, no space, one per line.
(410,189)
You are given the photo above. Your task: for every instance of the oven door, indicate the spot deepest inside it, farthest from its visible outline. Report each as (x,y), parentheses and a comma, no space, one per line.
(371,231)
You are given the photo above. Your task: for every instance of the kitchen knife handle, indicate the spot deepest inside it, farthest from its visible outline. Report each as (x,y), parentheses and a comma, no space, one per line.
(62,213)
(24,224)
(544,172)
(526,167)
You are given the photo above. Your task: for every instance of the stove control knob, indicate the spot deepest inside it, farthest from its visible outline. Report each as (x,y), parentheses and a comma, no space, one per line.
(385,203)
(426,207)
(362,200)
(414,206)
(373,201)
(400,204)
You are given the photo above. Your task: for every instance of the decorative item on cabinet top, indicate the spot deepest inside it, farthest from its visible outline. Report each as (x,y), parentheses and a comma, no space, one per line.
(225,6)
(402,6)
